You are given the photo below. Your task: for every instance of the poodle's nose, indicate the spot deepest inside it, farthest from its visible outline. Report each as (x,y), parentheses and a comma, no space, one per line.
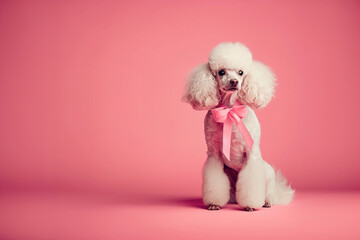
(234,82)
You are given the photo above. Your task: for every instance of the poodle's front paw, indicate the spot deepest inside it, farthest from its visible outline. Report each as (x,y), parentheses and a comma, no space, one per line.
(248,201)
(267,205)
(214,207)
(249,209)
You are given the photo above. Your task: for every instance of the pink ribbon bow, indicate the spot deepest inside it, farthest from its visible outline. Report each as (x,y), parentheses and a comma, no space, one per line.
(227,116)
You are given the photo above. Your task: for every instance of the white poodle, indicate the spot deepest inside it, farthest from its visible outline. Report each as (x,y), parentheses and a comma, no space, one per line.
(232,82)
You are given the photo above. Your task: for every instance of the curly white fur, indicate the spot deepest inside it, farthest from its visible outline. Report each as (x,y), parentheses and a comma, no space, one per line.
(201,90)
(258,86)
(231,75)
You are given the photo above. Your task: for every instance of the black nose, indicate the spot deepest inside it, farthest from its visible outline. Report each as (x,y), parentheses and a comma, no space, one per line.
(234,82)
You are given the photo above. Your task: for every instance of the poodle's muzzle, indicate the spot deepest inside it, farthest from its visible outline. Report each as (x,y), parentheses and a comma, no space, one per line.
(230,81)
(233,85)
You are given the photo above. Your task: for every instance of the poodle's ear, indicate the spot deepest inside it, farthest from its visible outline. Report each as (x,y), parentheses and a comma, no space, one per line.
(201,91)
(258,86)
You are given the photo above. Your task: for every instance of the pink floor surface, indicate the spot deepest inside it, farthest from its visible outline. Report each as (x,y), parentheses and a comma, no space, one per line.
(313,215)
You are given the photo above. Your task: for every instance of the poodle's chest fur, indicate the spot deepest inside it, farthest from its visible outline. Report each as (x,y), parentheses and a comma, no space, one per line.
(239,150)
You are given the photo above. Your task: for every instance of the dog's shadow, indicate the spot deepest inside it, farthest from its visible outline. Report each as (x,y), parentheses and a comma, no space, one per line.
(191,203)
(184,202)
(166,201)
(158,200)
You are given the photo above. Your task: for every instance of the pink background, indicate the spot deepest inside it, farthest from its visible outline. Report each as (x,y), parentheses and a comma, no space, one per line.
(90,92)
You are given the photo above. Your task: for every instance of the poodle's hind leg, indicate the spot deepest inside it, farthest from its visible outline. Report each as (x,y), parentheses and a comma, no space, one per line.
(251,184)
(216,185)
(270,185)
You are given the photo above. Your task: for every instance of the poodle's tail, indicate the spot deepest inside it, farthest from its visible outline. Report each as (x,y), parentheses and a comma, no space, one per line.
(283,192)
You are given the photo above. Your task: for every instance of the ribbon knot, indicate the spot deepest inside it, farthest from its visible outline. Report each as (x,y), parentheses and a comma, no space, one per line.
(228,116)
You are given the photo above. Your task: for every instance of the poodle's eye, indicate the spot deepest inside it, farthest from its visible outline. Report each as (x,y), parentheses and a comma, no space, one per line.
(241,73)
(222,72)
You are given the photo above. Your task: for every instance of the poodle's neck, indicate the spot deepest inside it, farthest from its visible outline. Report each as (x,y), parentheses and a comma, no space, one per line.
(228,99)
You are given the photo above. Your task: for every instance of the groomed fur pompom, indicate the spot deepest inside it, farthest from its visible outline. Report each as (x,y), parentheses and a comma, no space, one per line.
(258,86)
(201,91)
(230,55)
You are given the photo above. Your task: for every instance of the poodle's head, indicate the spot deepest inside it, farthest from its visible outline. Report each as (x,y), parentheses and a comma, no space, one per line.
(230,69)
